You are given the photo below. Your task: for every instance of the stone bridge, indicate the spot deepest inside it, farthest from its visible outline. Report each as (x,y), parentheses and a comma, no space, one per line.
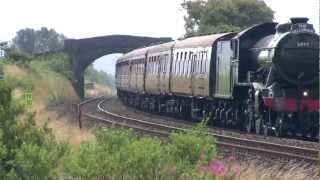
(84,51)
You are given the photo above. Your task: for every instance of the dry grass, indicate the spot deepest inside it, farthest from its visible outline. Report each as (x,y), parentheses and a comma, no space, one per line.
(61,123)
(256,170)
(51,90)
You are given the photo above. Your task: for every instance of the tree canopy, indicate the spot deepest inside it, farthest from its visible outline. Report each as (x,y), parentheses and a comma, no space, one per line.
(99,77)
(38,41)
(215,16)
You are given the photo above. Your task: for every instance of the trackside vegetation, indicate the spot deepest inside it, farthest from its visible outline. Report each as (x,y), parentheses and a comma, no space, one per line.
(31,152)
(28,151)
(120,154)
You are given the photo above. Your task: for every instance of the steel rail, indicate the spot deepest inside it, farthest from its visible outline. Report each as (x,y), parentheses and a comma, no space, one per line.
(242,144)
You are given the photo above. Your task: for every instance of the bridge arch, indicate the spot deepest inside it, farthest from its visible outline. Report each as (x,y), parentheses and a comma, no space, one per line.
(84,51)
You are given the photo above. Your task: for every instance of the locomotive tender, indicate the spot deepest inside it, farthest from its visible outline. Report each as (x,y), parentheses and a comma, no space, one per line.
(263,79)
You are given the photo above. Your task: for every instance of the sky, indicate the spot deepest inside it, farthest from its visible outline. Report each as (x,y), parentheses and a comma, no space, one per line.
(84,18)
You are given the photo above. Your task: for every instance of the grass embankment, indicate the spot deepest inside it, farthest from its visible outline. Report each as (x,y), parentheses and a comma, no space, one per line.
(52,94)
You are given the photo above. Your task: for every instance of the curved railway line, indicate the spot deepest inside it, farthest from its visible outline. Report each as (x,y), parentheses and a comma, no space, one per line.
(239,145)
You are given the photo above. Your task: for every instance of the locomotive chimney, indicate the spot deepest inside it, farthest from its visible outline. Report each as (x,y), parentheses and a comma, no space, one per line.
(296,20)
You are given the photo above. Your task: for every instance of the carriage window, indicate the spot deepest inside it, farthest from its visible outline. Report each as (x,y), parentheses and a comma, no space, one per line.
(159,64)
(154,66)
(177,64)
(148,67)
(195,62)
(201,55)
(201,64)
(165,63)
(178,67)
(186,68)
(206,56)
(174,67)
(182,67)
(151,66)
(190,66)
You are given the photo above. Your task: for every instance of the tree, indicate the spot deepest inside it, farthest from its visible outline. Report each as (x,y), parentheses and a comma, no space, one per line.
(25,40)
(40,41)
(215,16)
(99,77)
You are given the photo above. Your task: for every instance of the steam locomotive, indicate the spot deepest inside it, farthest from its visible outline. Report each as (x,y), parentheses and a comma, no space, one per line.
(264,79)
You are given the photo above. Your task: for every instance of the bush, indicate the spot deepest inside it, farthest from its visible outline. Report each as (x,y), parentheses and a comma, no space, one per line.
(18,57)
(120,154)
(27,152)
(58,62)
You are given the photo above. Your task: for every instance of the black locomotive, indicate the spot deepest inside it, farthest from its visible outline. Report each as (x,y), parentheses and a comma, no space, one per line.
(263,79)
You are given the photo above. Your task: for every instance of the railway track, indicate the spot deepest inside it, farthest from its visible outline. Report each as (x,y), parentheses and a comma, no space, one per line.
(240,145)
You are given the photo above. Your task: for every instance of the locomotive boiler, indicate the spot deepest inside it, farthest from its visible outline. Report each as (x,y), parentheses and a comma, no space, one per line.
(263,79)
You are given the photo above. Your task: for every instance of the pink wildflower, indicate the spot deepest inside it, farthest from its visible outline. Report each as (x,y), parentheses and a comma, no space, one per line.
(237,174)
(182,177)
(216,167)
(231,158)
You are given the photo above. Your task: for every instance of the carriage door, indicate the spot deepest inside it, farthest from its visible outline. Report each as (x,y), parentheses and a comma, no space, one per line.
(193,73)
(223,60)
(165,73)
(162,73)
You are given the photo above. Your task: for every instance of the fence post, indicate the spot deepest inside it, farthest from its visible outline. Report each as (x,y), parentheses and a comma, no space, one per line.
(79,115)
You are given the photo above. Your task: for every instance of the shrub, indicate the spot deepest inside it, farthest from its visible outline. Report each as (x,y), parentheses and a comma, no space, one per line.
(120,154)
(58,62)
(18,57)
(27,152)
